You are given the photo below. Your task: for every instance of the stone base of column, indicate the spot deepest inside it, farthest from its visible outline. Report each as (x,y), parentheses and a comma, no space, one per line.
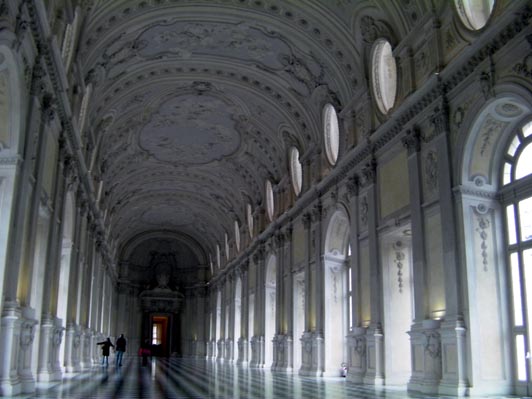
(257,351)
(356,343)
(283,354)
(228,350)
(374,357)
(9,347)
(242,351)
(312,362)
(86,358)
(426,357)
(453,355)
(28,325)
(220,349)
(198,349)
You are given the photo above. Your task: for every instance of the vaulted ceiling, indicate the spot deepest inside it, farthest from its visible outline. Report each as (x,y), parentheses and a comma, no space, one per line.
(196,103)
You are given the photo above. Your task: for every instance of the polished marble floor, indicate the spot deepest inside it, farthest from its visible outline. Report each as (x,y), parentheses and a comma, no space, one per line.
(201,379)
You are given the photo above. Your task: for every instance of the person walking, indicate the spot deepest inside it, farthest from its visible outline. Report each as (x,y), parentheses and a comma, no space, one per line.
(106,347)
(145,351)
(120,349)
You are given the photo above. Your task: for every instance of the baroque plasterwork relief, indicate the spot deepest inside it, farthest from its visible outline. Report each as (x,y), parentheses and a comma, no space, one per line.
(190,129)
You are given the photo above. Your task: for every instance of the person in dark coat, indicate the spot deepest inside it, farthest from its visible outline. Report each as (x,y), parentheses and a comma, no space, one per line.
(106,347)
(145,351)
(120,349)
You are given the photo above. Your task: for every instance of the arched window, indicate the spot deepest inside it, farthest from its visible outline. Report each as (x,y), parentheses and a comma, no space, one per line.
(383,75)
(331,133)
(517,174)
(474,14)
(296,172)
(270,206)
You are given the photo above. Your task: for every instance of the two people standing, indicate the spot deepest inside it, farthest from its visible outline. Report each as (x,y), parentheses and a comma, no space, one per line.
(119,349)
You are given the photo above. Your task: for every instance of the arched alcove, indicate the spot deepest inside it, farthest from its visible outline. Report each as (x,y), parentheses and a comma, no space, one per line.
(336,296)
(270,309)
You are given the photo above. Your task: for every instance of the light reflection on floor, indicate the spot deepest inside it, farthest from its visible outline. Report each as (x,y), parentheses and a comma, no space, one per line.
(189,378)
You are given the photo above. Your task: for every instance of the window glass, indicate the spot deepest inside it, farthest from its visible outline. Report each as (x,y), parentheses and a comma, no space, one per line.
(516,290)
(525,218)
(521,357)
(512,148)
(510,224)
(507,174)
(331,133)
(527,129)
(524,163)
(384,75)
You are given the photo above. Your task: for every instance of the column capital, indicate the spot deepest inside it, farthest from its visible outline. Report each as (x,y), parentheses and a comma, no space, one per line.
(307,220)
(368,174)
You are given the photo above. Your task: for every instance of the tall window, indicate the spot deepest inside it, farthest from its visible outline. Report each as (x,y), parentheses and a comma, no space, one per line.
(517,201)
(349,291)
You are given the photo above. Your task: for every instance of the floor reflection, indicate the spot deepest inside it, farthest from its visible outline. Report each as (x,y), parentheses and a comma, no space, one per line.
(195,379)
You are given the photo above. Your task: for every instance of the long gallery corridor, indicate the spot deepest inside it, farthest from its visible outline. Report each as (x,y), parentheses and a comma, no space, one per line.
(179,378)
(261,193)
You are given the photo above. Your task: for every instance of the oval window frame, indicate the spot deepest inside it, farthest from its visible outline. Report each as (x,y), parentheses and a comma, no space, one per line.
(384,88)
(331,133)
(270,201)
(465,12)
(296,170)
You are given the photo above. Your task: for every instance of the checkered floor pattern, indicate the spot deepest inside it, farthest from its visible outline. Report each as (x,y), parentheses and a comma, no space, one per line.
(202,379)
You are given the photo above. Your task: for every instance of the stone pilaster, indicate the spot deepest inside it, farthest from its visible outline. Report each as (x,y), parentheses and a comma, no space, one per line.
(9,347)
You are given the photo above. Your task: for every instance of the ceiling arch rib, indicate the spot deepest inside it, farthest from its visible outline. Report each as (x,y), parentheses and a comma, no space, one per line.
(191,99)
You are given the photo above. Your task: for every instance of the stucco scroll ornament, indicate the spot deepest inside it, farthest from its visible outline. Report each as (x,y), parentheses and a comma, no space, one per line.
(371,29)
(524,68)
(432,344)
(364,208)
(439,121)
(431,171)
(482,229)
(399,258)
(360,346)
(27,334)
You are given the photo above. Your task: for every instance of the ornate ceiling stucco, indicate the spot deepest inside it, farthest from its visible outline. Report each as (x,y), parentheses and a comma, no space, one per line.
(192,102)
